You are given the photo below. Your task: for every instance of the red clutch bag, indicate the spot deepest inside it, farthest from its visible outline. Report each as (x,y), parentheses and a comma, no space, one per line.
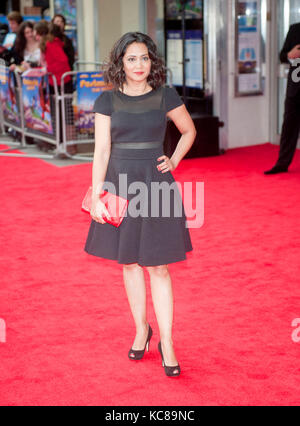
(116,206)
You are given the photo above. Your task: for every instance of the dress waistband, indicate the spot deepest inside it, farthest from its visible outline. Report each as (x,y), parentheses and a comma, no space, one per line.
(137,145)
(152,152)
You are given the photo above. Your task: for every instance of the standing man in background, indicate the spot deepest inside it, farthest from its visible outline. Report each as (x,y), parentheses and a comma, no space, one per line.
(15,20)
(291,125)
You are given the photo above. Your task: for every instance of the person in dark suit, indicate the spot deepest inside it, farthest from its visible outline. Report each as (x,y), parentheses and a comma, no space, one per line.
(291,124)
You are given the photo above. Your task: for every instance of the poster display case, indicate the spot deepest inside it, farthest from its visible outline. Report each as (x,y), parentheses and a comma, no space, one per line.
(249,48)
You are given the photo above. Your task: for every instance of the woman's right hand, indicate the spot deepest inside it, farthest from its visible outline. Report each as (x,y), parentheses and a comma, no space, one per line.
(294,53)
(98,211)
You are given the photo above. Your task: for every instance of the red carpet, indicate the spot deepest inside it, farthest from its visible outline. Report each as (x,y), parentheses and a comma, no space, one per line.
(68,321)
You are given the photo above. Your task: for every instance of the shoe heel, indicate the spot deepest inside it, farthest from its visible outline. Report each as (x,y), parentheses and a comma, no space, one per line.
(169,371)
(140,353)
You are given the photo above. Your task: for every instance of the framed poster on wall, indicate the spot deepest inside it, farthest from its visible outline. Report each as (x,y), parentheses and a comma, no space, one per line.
(249,49)
(193,9)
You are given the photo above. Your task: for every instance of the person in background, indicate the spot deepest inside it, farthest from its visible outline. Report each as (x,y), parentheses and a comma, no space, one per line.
(57,63)
(60,20)
(40,32)
(4,30)
(14,20)
(291,124)
(26,52)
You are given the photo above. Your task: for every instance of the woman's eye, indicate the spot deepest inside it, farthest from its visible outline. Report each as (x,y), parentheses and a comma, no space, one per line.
(133,59)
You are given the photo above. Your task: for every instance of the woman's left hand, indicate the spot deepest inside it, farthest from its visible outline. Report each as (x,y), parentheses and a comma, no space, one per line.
(167,165)
(25,65)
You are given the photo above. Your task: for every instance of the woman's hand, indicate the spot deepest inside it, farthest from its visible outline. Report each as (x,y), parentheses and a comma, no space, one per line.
(167,165)
(295,52)
(12,67)
(98,211)
(25,65)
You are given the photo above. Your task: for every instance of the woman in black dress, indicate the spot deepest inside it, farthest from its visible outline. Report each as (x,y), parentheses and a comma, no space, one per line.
(130,125)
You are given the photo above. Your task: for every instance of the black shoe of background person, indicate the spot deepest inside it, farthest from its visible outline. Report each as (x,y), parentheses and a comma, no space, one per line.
(276,169)
(30,141)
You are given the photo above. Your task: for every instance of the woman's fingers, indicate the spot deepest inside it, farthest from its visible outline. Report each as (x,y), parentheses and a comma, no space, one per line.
(97,219)
(164,167)
(100,212)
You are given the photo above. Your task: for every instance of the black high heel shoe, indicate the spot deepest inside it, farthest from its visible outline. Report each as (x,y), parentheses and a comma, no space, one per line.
(138,354)
(169,370)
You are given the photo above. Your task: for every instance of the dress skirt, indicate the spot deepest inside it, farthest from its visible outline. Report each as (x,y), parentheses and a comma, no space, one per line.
(147,236)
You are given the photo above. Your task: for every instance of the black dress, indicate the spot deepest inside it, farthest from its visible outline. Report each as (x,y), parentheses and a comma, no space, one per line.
(152,238)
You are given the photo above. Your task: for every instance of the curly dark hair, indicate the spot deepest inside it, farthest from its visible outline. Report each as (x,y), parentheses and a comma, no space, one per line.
(113,69)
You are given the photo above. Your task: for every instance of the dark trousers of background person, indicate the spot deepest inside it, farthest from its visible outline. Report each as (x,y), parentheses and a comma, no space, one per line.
(290,131)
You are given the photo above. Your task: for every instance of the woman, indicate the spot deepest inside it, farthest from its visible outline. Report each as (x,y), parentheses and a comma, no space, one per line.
(130,124)
(26,52)
(60,20)
(40,32)
(52,47)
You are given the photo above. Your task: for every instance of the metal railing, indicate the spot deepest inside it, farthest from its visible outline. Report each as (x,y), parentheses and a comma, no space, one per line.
(20,126)
(67,131)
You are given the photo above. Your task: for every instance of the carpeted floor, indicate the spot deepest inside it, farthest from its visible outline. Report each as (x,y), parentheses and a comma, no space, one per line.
(68,321)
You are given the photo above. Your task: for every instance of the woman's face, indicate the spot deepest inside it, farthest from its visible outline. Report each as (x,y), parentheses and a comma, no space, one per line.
(59,22)
(28,33)
(136,62)
(36,36)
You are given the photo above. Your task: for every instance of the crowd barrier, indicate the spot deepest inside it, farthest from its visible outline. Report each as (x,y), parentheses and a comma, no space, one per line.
(71,122)
(14,115)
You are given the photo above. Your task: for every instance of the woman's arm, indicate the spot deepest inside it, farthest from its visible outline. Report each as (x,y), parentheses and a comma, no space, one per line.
(184,123)
(289,50)
(101,153)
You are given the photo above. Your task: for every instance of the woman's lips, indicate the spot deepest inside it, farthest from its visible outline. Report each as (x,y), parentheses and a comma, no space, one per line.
(139,73)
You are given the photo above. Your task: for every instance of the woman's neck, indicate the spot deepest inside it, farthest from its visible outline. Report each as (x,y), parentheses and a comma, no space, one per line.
(32,45)
(136,88)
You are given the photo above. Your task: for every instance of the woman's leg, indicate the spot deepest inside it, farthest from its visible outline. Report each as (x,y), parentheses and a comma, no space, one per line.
(162,296)
(135,286)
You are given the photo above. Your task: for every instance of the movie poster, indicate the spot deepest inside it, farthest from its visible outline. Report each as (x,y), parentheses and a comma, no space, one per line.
(193,9)
(8,94)
(89,87)
(36,101)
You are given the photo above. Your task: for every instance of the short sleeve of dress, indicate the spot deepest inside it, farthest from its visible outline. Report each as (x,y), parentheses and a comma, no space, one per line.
(172,99)
(103,104)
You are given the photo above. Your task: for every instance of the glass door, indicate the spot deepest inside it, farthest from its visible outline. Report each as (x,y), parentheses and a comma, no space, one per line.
(288,13)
